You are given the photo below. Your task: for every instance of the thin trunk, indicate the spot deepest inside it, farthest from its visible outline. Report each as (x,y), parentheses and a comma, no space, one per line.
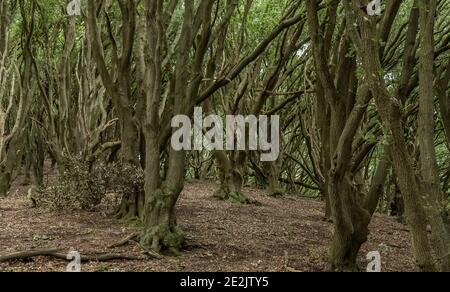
(378,183)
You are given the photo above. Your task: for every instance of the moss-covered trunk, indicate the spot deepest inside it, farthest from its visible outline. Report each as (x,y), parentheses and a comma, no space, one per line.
(231,179)
(160,225)
(351,222)
(161,230)
(231,188)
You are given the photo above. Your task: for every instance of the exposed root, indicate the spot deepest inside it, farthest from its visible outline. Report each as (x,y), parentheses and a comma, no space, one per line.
(234,197)
(276,193)
(129,209)
(162,238)
(131,237)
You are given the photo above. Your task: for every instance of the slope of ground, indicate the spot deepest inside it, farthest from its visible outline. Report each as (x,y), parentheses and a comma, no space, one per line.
(274,235)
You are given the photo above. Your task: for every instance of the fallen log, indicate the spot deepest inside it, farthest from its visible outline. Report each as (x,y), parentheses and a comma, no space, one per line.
(55,253)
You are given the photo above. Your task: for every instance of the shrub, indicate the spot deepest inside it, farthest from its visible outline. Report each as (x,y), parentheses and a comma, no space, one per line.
(79,187)
(84,187)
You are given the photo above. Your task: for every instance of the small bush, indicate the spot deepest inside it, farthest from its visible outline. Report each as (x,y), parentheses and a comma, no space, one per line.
(123,179)
(78,187)
(84,187)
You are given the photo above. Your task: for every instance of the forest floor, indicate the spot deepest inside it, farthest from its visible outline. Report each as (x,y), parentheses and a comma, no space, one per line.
(277,234)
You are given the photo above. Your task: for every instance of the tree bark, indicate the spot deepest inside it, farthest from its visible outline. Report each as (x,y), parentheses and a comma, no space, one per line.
(11,142)
(118,86)
(378,183)
(367,45)
(347,106)
(431,185)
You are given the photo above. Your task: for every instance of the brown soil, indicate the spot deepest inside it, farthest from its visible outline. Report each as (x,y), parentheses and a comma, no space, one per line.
(275,235)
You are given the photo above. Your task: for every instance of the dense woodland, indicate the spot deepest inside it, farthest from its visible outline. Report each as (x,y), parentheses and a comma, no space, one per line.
(363,101)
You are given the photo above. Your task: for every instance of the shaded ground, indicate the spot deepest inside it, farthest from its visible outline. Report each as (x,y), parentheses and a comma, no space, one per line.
(276,235)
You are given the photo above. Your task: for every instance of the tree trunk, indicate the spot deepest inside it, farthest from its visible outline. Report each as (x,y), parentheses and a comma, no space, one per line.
(38,152)
(273,176)
(118,86)
(390,113)
(378,183)
(131,207)
(396,203)
(230,179)
(429,167)
(11,142)
(351,222)
(161,230)
(5,183)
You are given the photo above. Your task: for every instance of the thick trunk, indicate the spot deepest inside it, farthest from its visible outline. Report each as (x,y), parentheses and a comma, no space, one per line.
(129,150)
(118,86)
(132,204)
(38,165)
(26,170)
(12,142)
(37,154)
(160,225)
(274,188)
(161,230)
(131,207)
(351,222)
(409,186)
(328,215)
(323,117)
(231,188)
(230,180)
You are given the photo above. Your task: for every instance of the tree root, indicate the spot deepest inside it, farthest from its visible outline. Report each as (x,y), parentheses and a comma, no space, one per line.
(234,197)
(162,238)
(125,241)
(55,253)
(276,193)
(134,237)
